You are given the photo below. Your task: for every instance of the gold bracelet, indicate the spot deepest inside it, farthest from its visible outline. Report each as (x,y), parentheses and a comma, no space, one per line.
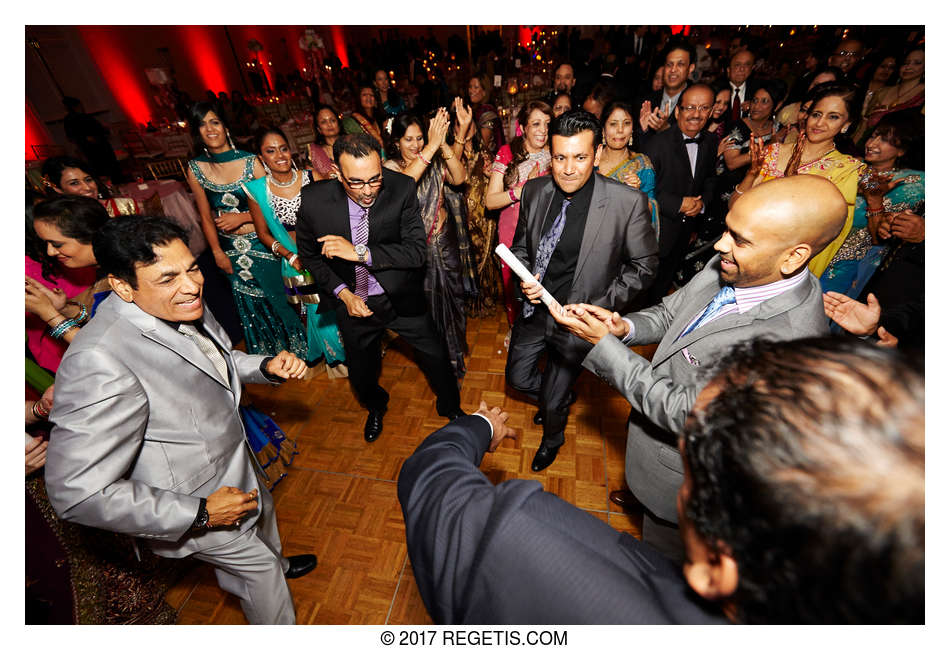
(449,157)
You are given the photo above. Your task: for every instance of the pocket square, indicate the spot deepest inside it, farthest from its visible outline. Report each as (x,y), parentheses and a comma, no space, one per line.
(693,361)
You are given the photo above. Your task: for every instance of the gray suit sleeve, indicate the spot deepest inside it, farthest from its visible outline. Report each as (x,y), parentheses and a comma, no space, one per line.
(650,325)
(662,401)
(640,254)
(249,367)
(100,413)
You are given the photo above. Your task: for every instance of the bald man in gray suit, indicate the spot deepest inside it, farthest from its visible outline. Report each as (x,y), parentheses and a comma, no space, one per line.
(758,286)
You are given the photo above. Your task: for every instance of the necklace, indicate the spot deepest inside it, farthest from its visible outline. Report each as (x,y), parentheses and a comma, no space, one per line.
(277,183)
(897,100)
(817,158)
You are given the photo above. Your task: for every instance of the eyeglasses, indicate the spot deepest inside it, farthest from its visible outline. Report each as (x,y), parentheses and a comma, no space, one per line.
(357,184)
(705,108)
(849,53)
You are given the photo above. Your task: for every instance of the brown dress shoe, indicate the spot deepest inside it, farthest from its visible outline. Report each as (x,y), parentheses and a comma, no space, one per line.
(625,499)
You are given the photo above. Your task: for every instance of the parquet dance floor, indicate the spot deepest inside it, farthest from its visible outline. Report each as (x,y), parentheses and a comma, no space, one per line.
(339,498)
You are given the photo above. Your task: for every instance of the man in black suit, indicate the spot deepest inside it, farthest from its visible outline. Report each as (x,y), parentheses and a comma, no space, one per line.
(684,159)
(563,83)
(802,502)
(657,107)
(741,86)
(582,235)
(362,238)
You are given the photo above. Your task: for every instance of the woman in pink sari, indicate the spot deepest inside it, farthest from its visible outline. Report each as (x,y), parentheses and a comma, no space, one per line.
(528,156)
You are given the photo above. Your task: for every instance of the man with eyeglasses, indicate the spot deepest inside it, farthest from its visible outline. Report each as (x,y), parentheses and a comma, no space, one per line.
(361,235)
(742,87)
(684,159)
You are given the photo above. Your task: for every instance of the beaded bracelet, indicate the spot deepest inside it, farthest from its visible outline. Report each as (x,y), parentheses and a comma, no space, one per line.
(83,314)
(512,196)
(60,330)
(423,159)
(292,259)
(273,247)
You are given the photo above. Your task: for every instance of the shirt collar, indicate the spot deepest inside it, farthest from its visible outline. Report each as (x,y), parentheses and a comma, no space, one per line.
(586,190)
(739,87)
(749,297)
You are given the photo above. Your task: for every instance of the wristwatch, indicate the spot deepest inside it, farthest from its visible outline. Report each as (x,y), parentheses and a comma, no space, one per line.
(361,252)
(201,520)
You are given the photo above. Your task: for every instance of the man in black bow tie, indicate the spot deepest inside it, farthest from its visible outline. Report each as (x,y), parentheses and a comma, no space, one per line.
(684,158)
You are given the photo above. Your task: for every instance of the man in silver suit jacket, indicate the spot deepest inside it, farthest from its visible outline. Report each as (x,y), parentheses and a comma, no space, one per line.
(758,286)
(148,440)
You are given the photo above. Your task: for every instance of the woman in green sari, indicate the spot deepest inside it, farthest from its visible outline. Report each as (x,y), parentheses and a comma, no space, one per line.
(216,178)
(274,201)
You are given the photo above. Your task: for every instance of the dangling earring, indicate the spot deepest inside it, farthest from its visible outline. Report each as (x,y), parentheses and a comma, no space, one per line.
(293,163)
(266,168)
(630,141)
(207,153)
(230,141)
(845,129)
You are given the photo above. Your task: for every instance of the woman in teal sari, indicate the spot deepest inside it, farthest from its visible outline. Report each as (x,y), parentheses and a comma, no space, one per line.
(620,162)
(886,190)
(275,199)
(216,179)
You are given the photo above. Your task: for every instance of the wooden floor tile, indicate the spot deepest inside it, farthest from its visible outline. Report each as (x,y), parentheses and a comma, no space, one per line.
(339,498)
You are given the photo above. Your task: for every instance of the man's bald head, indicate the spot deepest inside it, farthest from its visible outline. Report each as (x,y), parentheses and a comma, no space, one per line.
(773,230)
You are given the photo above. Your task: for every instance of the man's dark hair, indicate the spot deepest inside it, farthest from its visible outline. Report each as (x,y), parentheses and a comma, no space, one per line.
(807,468)
(77,217)
(573,122)
(680,44)
(358,145)
(129,240)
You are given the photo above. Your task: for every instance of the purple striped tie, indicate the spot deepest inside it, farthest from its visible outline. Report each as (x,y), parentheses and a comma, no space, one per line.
(361,236)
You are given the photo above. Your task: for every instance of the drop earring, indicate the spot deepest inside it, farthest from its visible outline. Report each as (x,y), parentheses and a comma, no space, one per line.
(630,141)
(293,164)
(230,141)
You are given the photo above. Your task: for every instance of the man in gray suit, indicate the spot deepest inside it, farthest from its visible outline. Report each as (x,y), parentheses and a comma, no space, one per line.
(588,239)
(758,286)
(148,440)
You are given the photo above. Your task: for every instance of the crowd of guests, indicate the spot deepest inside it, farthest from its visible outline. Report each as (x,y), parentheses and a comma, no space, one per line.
(403,197)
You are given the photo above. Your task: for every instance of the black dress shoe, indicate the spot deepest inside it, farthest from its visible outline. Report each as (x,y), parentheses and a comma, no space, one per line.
(374,425)
(544,457)
(625,499)
(300,565)
(539,417)
(455,413)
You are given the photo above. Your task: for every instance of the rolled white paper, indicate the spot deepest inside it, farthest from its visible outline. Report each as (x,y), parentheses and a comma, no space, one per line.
(522,272)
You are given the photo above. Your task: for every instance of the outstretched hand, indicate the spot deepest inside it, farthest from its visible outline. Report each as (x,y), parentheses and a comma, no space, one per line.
(499,423)
(852,315)
(287,365)
(590,322)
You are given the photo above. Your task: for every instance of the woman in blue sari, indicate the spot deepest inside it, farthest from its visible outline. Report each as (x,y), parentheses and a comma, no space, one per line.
(216,178)
(887,190)
(274,201)
(620,162)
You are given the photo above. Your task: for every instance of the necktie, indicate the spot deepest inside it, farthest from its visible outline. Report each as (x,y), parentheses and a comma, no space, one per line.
(361,236)
(546,248)
(209,349)
(726,296)
(736,105)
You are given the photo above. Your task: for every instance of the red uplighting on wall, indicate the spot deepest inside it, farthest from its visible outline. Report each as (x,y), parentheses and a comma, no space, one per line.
(36,132)
(293,34)
(129,86)
(339,45)
(242,35)
(199,43)
(680,29)
(526,33)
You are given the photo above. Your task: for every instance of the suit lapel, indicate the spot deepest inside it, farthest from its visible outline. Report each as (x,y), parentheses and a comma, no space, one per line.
(156,330)
(536,221)
(679,148)
(596,214)
(340,214)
